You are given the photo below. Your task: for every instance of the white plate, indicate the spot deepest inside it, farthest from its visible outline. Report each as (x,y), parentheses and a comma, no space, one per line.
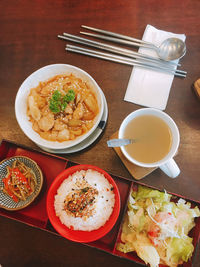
(90,139)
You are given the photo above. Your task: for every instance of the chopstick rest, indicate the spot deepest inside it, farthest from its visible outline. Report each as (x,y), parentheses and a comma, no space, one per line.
(148,87)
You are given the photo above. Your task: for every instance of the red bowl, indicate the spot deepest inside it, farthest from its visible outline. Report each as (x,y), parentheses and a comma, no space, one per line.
(77,235)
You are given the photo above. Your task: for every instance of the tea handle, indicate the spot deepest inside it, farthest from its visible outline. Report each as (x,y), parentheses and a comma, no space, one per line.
(170,168)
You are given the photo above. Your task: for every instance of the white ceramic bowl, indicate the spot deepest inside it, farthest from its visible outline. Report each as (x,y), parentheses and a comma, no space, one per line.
(32,81)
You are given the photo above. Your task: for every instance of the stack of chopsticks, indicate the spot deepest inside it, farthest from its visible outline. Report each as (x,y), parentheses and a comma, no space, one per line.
(119,54)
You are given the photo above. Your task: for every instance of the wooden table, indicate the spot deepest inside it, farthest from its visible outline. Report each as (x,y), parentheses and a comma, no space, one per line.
(28,31)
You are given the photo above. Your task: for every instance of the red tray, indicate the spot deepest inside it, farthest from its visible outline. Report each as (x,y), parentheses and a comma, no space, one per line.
(35,215)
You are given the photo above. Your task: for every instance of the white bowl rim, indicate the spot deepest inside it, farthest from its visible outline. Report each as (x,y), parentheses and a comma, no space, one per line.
(26,126)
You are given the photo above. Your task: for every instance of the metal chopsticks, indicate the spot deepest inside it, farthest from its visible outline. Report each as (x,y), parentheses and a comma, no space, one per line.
(109,33)
(115,49)
(115,40)
(112,48)
(120,59)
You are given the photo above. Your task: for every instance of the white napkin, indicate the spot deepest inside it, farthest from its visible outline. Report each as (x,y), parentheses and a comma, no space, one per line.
(147,87)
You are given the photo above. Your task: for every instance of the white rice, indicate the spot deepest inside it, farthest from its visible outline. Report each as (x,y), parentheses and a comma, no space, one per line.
(103,204)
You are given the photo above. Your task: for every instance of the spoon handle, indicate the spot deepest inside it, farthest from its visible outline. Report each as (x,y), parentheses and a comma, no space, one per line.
(120,142)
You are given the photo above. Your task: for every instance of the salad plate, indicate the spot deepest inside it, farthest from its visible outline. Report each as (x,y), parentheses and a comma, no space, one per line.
(159,228)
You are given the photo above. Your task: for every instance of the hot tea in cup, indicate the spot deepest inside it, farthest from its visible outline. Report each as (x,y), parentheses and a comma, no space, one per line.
(156,140)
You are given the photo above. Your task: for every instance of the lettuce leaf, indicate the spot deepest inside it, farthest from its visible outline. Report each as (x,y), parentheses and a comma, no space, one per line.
(137,220)
(149,255)
(180,249)
(145,193)
(186,206)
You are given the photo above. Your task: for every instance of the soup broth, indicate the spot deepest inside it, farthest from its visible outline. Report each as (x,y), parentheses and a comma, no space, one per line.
(154,138)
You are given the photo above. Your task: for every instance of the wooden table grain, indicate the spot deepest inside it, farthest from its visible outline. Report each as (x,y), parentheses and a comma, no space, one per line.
(28,41)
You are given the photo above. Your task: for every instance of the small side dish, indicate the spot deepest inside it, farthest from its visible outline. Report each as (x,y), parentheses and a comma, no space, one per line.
(62,108)
(21,180)
(157,228)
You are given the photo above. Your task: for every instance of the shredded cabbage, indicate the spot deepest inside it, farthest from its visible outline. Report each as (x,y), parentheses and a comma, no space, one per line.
(157,228)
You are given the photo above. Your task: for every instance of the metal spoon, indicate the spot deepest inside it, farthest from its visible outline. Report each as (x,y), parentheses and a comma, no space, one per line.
(169,49)
(120,142)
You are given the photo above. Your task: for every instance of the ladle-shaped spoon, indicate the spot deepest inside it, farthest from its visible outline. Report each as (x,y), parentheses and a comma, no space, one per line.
(120,142)
(170,49)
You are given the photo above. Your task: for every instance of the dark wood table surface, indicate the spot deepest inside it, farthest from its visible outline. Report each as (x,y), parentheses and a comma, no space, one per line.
(28,41)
